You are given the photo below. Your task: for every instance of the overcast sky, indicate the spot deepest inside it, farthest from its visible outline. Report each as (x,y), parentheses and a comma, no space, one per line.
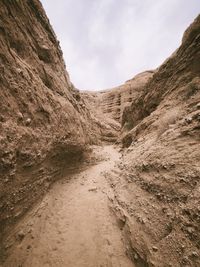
(106,42)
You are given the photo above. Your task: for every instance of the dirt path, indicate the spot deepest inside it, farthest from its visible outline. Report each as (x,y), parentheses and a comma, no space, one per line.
(73,226)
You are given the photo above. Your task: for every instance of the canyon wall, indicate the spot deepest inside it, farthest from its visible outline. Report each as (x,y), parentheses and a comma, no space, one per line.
(113,101)
(44,122)
(107,106)
(162,162)
(174,84)
(46,125)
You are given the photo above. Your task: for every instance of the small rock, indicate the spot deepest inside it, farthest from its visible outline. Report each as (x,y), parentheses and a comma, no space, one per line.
(198,118)
(194,254)
(190,230)
(21,235)
(19,70)
(136,257)
(141,220)
(155,248)
(12,174)
(2,118)
(164,209)
(198,106)
(92,189)
(28,121)
(30,230)
(185,260)
(188,120)
(19,115)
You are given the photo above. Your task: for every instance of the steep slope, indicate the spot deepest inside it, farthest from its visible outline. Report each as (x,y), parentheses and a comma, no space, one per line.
(174,83)
(158,187)
(43,120)
(45,127)
(113,101)
(109,127)
(107,106)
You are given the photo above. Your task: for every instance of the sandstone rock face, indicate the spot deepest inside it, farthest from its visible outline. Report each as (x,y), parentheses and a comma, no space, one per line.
(107,106)
(108,127)
(175,81)
(42,117)
(113,101)
(46,125)
(162,163)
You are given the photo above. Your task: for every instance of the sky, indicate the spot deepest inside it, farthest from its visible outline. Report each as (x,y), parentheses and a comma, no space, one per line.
(106,42)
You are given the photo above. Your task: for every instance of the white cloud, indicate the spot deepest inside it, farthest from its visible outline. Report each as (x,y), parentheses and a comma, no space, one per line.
(106,42)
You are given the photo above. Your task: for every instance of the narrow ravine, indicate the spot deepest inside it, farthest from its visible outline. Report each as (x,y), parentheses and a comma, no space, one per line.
(74,225)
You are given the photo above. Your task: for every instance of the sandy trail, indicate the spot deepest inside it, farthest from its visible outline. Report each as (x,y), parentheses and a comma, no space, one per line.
(73,226)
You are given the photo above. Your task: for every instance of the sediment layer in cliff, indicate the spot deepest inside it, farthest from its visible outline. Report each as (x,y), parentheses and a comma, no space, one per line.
(111,102)
(161,163)
(46,125)
(44,122)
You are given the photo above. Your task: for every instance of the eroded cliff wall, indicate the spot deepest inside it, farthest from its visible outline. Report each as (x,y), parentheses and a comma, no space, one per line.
(162,165)
(43,120)
(113,101)
(46,124)
(107,106)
